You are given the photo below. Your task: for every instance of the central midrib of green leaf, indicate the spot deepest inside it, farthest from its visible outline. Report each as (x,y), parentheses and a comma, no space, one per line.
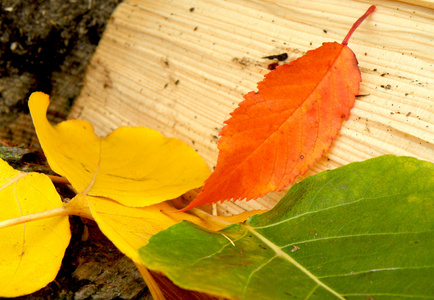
(280,253)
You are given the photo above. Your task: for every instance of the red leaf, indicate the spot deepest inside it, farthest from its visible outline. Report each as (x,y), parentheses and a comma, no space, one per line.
(278,132)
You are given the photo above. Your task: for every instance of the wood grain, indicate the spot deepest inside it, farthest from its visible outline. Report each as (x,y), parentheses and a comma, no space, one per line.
(181,67)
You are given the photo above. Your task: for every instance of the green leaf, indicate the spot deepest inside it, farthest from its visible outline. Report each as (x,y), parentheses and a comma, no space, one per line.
(362,231)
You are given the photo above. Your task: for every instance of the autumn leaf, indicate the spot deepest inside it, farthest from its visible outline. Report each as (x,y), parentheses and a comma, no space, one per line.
(361,231)
(135,166)
(278,132)
(31,253)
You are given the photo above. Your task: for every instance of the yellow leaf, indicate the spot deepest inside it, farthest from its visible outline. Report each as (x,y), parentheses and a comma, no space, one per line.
(31,253)
(135,166)
(130,228)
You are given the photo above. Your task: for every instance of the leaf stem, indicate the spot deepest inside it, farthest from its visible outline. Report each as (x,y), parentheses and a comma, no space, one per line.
(358,22)
(212,219)
(55,212)
(153,286)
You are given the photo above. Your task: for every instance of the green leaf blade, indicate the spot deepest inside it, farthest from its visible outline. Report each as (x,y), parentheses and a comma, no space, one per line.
(363,230)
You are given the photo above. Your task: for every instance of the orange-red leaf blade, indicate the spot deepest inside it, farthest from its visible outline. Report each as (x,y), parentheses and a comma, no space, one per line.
(278,132)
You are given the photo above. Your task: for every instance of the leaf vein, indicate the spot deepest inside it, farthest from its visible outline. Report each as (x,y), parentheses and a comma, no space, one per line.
(323,209)
(375,270)
(254,271)
(354,235)
(311,292)
(390,294)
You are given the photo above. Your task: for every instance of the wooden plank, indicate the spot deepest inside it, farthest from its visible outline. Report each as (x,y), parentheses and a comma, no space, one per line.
(181,67)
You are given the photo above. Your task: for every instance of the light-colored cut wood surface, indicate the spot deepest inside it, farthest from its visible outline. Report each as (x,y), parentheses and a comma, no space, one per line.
(182,66)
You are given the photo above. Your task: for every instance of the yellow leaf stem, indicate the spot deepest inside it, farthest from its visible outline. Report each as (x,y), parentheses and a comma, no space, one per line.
(50,213)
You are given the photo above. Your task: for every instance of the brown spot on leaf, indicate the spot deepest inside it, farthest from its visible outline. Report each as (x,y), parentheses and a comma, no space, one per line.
(295,248)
